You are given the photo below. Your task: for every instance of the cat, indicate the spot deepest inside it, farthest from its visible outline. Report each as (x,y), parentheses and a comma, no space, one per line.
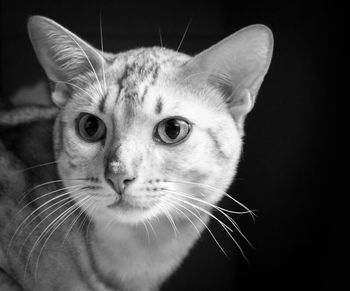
(111,188)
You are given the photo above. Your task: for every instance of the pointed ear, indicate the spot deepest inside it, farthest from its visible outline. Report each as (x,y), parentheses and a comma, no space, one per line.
(62,54)
(237,66)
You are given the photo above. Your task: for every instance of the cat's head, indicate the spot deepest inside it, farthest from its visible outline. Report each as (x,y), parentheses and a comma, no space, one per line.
(149,131)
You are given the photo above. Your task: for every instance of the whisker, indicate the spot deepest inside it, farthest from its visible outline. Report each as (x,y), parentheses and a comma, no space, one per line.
(47,228)
(108,225)
(66,201)
(88,59)
(160,37)
(180,211)
(224,226)
(217,191)
(81,226)
(44,195)
(152,228)
(52,205)
(103,65)
(172,222)
(40,213)
(221,209)
(204,224)
(78,87)
(48,183)
(200,208)
(77,218)
(234,223)
(144,224)
(60,220)
(34,167)
(89,218)
(184,35)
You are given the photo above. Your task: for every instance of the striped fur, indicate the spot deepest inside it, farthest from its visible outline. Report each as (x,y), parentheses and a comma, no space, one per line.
(65,223)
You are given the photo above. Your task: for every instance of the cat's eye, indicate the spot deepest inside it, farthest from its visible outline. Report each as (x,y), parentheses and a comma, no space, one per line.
(90,128)
(172,130)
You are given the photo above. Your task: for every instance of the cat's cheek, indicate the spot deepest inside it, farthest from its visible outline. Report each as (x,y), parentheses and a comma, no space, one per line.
(80,150)
(78,162)
(67,168)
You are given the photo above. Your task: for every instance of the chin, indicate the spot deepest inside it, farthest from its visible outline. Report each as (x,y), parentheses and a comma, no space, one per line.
(123,212)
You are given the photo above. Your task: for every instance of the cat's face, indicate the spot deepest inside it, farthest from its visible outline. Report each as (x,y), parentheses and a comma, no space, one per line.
(144,137)
(149,132)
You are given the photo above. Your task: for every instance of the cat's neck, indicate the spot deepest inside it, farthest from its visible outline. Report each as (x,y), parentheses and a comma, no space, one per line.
(141,256)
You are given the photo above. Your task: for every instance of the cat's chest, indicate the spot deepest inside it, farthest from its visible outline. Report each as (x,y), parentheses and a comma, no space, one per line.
(142,255)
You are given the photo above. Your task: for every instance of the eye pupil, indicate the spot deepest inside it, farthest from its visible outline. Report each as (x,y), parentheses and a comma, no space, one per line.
(91,125)
(172,128)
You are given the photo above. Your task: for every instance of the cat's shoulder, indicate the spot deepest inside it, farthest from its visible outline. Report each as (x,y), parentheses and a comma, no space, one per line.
(12,179)
(25,135)
(23,115)
(28,104)
(26,131)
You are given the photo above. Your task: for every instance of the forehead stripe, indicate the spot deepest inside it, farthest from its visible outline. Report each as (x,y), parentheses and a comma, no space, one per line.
(155,74)
(159,106)
(102,103)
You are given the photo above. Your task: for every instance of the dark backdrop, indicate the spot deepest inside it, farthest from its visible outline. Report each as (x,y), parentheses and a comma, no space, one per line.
(286,166)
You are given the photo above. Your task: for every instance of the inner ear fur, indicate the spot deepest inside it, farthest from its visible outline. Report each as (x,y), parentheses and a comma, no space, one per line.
(236,66)
(63,55)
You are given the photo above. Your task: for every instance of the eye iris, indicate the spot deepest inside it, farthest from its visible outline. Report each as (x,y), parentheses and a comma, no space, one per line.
(90,128)
(172,129)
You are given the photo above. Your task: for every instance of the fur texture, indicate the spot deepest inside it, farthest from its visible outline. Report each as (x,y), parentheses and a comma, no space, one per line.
(121,212)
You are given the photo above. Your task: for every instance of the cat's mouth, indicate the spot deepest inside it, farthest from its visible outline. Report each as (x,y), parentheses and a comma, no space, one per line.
(125,204)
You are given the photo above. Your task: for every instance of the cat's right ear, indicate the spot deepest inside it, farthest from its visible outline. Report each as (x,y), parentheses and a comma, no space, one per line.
(63,55)
(235,67)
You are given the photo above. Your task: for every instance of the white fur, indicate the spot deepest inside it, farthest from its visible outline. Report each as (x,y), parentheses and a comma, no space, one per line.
(121,242)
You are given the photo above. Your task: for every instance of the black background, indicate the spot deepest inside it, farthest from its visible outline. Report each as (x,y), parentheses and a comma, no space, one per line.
(286,165)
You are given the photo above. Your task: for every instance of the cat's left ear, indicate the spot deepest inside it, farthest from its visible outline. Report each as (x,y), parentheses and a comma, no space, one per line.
(236,66)
(63,55)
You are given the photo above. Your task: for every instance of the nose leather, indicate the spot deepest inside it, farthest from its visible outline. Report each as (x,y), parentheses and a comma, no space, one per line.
(118,177)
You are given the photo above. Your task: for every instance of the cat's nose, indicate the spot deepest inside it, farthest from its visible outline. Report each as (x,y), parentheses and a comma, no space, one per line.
(119,181)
